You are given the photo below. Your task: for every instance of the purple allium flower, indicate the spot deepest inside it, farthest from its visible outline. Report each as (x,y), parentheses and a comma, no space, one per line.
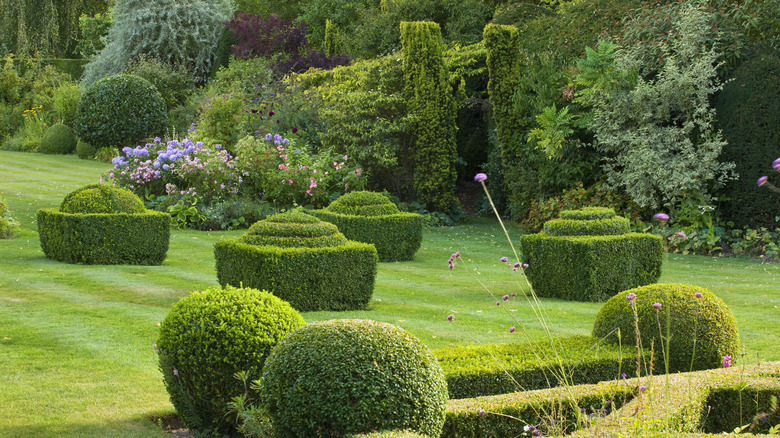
(525,265)
(504,259)
(271,113)
(656,306)
(482,412)
(505,297)
(661,217)
(726,361)
(511,329)
(516,265)
(642,388)
(631,296)
(681,235)
(498,303)
(624,375)
(480,177)
(699,295)
(776,165)
(514,294)
(294,130)
(175,372)
(761,181)
(451,318)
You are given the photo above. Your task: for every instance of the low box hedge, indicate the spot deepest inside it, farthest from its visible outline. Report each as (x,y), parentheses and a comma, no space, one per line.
(105,238)
(474,371)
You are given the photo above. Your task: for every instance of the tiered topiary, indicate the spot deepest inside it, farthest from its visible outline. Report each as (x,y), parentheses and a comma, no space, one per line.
(85,151)
(58,139)
(373,218)
(353,376)
(209,336)
(120,111)
(302,260)
(702,328)
(101,224)
(590,255)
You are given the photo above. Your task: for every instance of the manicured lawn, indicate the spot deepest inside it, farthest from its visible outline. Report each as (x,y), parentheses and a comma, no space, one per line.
(76,354)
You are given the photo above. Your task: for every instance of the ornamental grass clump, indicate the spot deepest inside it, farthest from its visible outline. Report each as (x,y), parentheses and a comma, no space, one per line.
(689,327)
(340,377)
(100,224)
(373,218)
(207,338)
(302,260)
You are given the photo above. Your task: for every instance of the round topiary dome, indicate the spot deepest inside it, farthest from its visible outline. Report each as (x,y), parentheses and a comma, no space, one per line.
(351,376)
(102,198)
(293,229)
(363,204)
(701,324)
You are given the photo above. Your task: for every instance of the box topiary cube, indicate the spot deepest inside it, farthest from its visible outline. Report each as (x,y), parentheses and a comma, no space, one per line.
(373,218)
(590,255)
(103,225)
(302,260)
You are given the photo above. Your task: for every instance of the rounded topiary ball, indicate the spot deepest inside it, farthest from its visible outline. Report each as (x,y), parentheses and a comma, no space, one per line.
(209,336)
(85,151)
(363,203)
(293,229)
(703,328)
(101,198)
(120,110)
(58,139)
(353,376)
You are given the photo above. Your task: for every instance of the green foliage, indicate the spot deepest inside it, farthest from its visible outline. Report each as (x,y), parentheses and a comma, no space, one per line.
(658,137)
(476,371)
(554,129)
(588,213)
(353,376)
(94,30)
(184,34)
(332,44)
(9,226)
(101,199)
(373,218)
(220,121)
(65,101)
(746,108)
(733,407)
(58,139)
(119,111)
(430,103)
(174,85)
(85,151)
(310,263)
(702,330)
(575,264)
(250,78)
(342,14)
(208,337)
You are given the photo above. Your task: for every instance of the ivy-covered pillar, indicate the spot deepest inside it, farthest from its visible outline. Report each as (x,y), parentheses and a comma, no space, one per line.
(430,103)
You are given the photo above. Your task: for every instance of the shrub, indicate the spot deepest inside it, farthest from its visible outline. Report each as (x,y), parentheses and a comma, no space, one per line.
(209,336)
(353,376)
(85,151)
(9,226)
(302,260)
(220,121)
(100,224)
(702,328)
(65,101)
(249,78)
(119,110)
(174,84)
(575,264)
(57,140)
(476,371)
(373,218)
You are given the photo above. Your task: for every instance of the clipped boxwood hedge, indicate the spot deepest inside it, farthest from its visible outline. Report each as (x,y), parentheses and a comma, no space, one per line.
(373,218)
(474,371)
(302,260)
(103,225)
(575,265)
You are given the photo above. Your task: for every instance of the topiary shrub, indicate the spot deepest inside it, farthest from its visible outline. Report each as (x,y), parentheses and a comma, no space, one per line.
(58,139)
(302,260)
(702,328)
(353,376)
(209,336)
(120,110)
(85,151)
(101,224)
(373,218)
(584,259)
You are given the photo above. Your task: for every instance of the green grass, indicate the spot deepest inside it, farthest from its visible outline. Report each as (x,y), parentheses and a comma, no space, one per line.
(76,355)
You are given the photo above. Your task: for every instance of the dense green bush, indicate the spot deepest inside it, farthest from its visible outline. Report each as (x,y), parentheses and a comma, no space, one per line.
(372,217)
(119,111)
(100,224)
(85,151)
(209,336)
(702,328)
(219,121)
(302,260)
(581,266)
(748,108)
(58,139)
(174,84)
(65,101)
(475,371)
(353,376)
(429,98)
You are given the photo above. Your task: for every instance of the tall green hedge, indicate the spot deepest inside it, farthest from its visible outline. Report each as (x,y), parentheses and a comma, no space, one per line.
(301,260)
(569,260)
(372,217)
(430,102)
(748,111)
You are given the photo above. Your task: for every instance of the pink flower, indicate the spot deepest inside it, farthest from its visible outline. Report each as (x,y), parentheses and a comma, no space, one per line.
(511,329)
(726,361)
(661,217)
(656,306)
(699,295)
(451,318)
(504,259)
